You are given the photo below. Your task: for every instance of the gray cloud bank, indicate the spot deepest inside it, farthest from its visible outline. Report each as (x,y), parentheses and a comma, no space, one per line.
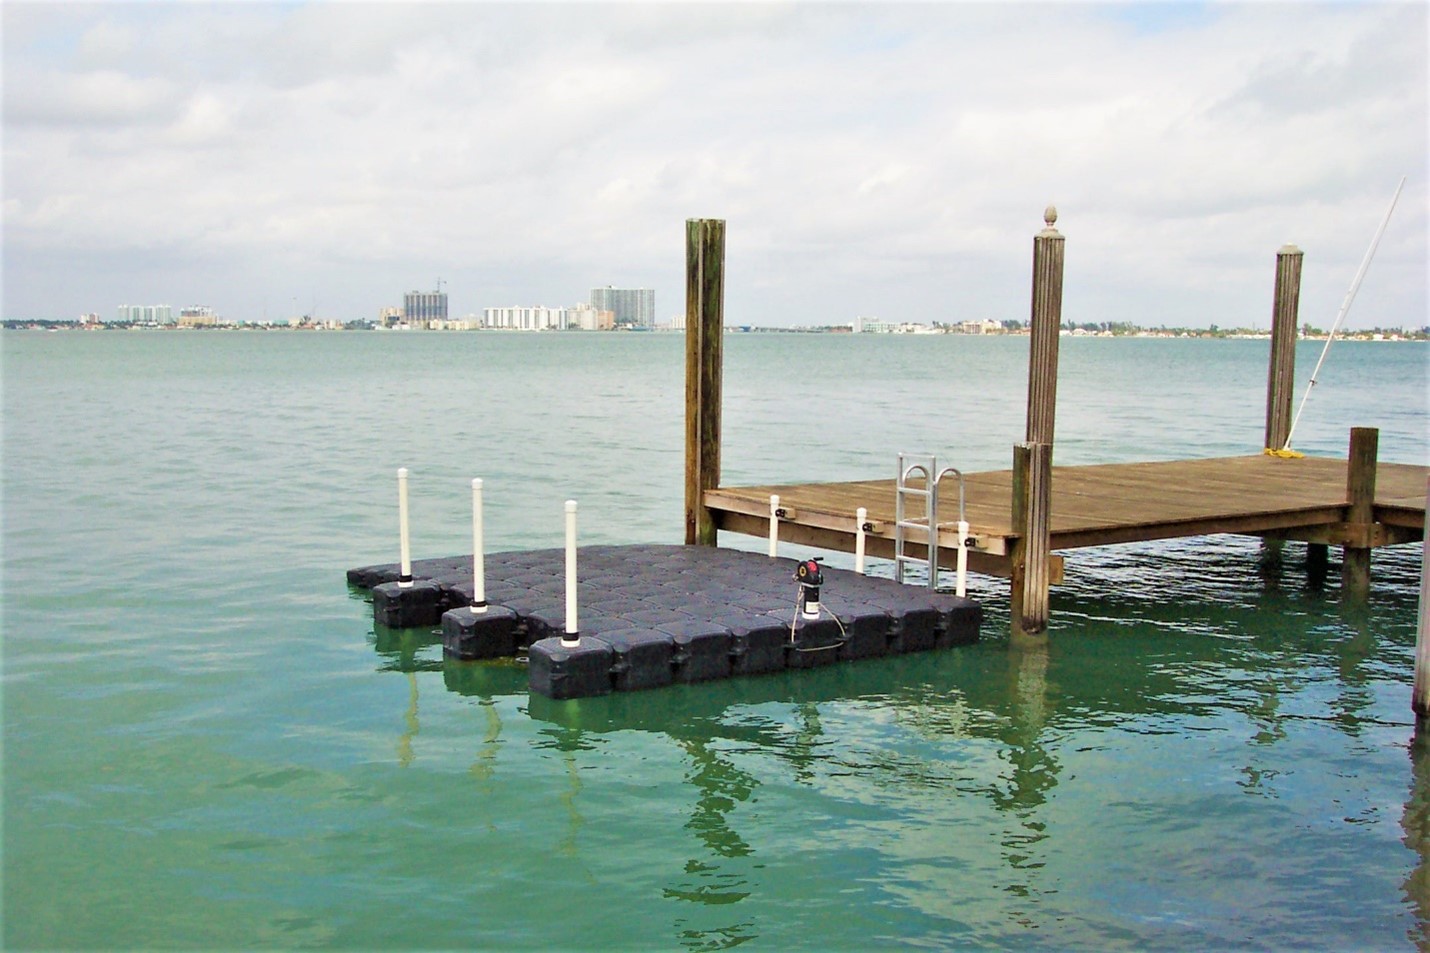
(889,159)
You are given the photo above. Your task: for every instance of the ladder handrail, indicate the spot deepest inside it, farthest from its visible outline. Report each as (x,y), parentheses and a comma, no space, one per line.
(930,493)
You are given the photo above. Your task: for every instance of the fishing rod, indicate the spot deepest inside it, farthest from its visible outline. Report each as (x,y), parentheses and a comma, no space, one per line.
(1345,307)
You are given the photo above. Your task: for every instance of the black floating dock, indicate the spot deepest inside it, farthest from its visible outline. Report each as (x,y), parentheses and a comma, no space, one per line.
(656,615)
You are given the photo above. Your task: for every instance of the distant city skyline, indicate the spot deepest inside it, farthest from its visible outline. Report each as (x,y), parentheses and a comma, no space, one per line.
(893,159)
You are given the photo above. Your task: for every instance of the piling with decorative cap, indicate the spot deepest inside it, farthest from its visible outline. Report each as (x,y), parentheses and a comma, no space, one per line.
(1280,377)
(1032,460)
(1044,324)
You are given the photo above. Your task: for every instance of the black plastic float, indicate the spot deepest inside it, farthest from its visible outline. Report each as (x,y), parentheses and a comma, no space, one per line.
(656,615)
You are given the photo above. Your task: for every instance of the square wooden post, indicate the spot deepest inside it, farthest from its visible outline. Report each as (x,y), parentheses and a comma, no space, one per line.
(1420,696)
(704,327)
(1280,376)
(1032,499)
(1360,494)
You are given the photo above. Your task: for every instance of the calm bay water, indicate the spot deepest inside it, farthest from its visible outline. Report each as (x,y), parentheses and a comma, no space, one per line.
(207,744)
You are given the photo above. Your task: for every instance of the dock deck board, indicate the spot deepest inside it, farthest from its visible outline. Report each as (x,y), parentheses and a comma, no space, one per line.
(1101,504)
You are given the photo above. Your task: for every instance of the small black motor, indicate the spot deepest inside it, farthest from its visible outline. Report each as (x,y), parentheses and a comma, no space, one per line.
(809,577)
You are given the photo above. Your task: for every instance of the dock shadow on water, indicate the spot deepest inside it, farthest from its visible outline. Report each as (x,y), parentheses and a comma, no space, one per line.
(1154,773)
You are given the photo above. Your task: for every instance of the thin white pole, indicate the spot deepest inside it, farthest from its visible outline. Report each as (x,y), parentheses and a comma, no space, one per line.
(572,636)
(774,525)
(1345,307)
(479,573)
(861,516)
(962,586)
(404,544)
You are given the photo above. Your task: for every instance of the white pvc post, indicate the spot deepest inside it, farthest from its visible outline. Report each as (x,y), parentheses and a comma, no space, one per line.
(774,525)
(404,545)
(962,588)
(861,516)
(479,571)
(572,636)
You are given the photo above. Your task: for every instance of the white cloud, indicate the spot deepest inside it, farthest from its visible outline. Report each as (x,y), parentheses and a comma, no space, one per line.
(872,159)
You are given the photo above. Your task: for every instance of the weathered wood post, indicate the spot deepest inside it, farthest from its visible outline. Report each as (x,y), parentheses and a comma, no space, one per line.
(1032,497)
(1044,324)
(1360,494)
(1420,696)
(1280,378)
(704,326)
(1032,460)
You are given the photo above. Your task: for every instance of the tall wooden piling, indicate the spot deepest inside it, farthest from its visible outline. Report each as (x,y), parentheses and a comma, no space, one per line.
(1280,378)
(1032,460)
(1420,696)
(704,326)
(1032,505)
(1044,324)
(1360,494)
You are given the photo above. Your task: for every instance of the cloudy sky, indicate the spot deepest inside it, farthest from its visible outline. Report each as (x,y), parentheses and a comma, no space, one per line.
(886,160)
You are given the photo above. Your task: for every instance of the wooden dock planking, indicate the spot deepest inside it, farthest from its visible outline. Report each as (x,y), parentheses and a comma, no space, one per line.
(1293,498)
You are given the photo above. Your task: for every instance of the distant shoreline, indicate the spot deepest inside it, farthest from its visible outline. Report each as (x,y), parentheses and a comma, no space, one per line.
(1378,335)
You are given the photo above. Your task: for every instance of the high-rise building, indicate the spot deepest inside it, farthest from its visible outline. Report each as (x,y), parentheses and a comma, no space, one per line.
(634,307)
(197,316)
(420,307)
(146,313)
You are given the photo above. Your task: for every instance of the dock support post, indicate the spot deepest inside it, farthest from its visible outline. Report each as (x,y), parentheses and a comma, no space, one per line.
(1281,373)
(1044,324)
(1360,494)
(704,325)
(1420,696)
(1032,496)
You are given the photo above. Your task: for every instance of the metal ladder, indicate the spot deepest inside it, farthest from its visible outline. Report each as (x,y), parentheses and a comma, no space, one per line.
(925,465)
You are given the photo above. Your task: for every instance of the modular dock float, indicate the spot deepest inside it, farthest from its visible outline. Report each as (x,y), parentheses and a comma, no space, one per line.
(656,615)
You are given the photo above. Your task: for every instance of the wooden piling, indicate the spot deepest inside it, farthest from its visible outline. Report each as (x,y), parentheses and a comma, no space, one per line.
(704,327)
(1360,494)
(1420,696)
(1032,506)
(1280,378)
(1044,324)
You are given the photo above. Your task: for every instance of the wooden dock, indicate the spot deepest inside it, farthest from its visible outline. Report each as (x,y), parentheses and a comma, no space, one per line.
(1018,518)
(1304,498)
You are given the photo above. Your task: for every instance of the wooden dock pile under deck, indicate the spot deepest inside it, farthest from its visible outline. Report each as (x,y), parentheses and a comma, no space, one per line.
(1303,498)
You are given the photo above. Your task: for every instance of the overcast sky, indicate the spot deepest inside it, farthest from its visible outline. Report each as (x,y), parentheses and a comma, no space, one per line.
(882,160)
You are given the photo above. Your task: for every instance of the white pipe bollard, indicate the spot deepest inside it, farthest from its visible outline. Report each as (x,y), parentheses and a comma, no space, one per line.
(774,525)
(479,569)
(572,637)
(404,580)
(962,586)
(861,516)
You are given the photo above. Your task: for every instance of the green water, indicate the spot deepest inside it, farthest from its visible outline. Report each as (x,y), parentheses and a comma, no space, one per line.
(207,745)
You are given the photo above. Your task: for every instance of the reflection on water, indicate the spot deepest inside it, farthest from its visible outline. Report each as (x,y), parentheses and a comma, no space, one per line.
(1035,769)
(1415,822)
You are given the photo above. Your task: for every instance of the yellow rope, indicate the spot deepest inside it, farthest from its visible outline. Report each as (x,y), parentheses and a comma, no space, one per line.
(1285,454)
